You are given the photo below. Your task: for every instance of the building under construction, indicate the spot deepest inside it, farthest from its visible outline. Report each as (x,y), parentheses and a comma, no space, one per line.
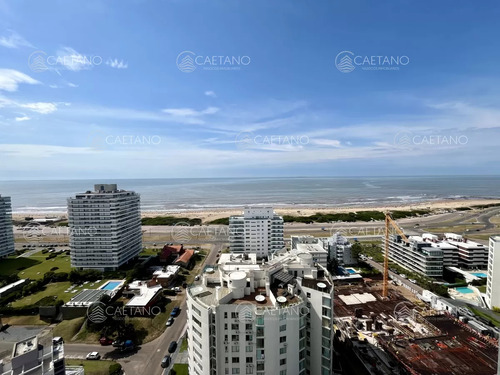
(396,336)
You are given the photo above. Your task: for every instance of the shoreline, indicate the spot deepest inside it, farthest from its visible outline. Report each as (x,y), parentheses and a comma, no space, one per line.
(297,210)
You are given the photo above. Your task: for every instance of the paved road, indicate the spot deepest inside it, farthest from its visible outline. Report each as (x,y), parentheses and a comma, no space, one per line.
(147,358)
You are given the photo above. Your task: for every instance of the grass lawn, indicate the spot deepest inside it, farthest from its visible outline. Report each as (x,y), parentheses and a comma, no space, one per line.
(494,318)
(178,369)
(150,252)
(25,320)
(482,288)
(34,266)
(68,328)
(184,345)
(53,289)
(91,367)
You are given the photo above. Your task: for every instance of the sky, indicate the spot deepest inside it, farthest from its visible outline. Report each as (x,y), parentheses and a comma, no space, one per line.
(185,88)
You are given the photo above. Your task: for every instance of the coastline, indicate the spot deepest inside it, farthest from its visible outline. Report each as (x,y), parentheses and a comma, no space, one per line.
(299,210)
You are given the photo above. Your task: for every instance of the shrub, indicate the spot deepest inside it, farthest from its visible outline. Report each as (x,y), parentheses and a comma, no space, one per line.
(115,369)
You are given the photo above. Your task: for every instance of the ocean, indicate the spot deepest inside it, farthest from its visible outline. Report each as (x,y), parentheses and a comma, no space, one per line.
(208,193)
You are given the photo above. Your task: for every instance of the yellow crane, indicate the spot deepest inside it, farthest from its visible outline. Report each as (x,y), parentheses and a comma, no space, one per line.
(389,221)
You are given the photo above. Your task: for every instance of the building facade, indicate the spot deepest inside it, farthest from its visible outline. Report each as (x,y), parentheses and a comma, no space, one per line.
(471,255)
(341,249)
(30,356)
(258,230)
(416,255)
(493,283)
(6,229)
(105,228)
(312,245)
(249,317)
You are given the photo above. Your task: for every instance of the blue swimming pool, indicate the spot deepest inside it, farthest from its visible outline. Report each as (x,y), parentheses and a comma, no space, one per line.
(480,274)
(464,290)
(351,271)
(111,285)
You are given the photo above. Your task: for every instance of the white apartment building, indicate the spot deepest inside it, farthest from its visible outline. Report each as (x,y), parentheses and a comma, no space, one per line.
(471,254)
(30,357)
(6,230)
(313,246)
(258,230)
(450,253)
(250,317)
(416,255)
(105,227)
(493,283)
(341,249)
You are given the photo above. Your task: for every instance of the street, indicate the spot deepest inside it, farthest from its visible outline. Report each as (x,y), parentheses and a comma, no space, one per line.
(146,360)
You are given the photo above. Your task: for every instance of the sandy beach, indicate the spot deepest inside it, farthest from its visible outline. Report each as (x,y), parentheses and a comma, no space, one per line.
(213,214)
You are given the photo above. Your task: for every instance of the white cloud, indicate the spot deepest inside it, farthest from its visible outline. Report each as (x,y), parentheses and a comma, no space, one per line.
(117,64)
(72,84)
(23,118)
(10,79)
(14,40)
(40,107)
(325,142)
(70,59)
(212,94)
(189,112)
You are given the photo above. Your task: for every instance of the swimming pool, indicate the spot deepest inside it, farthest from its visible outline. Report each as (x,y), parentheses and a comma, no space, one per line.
(110,285)
(480,274)
(464,290)
(351,271)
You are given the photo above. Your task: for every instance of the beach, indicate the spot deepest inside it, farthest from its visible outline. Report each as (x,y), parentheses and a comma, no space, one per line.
(298,210)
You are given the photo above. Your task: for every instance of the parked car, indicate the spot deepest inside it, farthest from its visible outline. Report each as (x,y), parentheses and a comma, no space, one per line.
(170,321)
(412,281)
(402,275)
(105,341)
(93,356)
(118,343)
(165,362)
(175,312)
(172,347)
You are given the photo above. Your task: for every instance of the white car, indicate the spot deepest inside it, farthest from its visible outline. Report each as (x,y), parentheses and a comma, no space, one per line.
(412,281)
(402,275)
(93,355)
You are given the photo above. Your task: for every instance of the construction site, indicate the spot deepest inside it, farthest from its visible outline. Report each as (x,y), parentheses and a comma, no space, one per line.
(391,331)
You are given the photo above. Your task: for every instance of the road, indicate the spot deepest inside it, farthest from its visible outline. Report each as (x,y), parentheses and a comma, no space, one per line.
(147,358)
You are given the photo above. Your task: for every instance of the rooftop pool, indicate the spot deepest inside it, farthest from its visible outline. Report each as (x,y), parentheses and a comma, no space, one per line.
(351,271)
(464,290)
(110,285)
(480,274)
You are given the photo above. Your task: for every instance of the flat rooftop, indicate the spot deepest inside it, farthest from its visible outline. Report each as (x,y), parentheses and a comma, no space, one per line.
(25,346)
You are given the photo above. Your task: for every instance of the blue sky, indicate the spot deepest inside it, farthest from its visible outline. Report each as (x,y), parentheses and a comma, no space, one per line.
(109,99)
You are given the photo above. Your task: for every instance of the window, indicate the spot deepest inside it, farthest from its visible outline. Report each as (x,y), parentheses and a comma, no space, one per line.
(249,337)
(235,349)
(235,337)
(249,359)
(225,315)
(283,339)
(248,327)
(236,371)
(283,328)
(236,360)
(282,361)
(283,350)
(235,326)
(234,315)
(249,348)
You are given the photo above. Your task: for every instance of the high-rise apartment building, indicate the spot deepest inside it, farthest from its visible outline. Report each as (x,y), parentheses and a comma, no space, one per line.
(6,230)
(258,230)
(252,317)
(493,283)
(105,228)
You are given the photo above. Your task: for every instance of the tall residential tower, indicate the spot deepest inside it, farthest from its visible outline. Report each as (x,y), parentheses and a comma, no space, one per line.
(6,232)
(105,228)
(258,230)
(493,283)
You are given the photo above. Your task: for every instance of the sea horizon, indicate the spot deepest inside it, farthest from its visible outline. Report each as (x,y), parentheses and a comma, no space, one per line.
(197,194)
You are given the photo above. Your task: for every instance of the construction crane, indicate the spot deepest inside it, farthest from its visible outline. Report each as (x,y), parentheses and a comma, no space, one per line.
(389,221)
